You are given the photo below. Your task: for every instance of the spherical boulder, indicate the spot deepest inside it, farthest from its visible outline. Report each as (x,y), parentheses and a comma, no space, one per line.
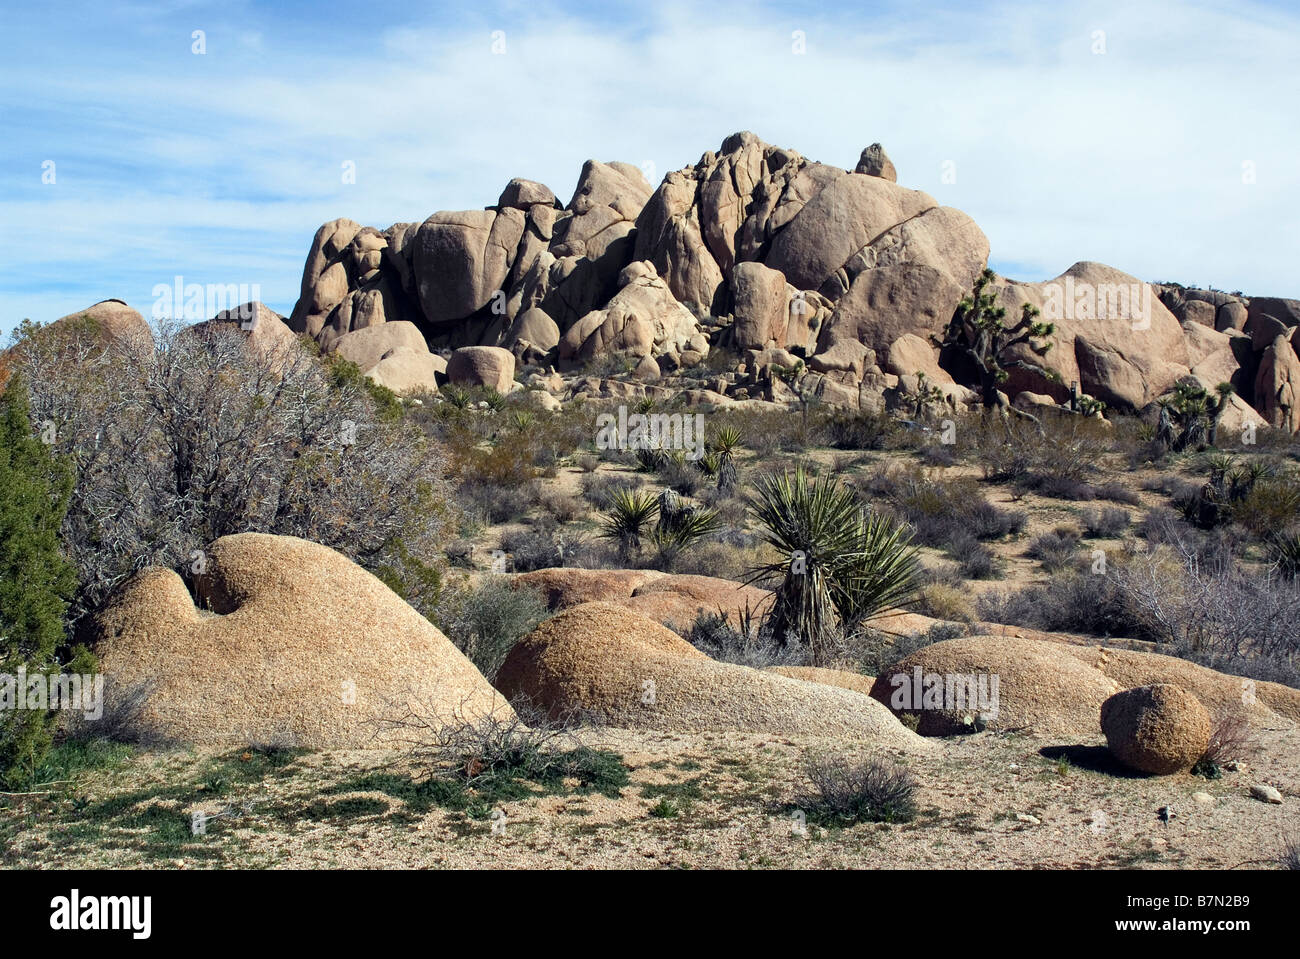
(1158,729)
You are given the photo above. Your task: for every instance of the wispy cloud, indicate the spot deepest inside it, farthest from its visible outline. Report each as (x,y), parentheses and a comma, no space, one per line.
(220,166)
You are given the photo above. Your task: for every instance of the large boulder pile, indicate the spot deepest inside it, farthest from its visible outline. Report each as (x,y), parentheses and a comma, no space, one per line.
(604,661)
(290,642)
(825,282)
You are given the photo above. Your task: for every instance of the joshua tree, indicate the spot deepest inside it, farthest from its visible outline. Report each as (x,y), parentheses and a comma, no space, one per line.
(1220,403)
(1196,412)
(980,332)
(839,566)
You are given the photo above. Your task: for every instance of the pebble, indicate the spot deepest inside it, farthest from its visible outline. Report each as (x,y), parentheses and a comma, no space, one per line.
(1265,793)
(1024,817)
(1205,799)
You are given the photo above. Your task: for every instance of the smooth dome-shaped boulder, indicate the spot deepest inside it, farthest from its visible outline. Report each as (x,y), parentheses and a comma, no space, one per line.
(1259,702)
(291,642)
(604,661)
(1158,729)
(672,600)
(1040,687)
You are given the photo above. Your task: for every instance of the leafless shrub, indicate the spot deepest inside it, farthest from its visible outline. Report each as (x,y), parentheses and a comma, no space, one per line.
(1232,739)
(1289,856)
(1220,616)
(849,792)
(197,434)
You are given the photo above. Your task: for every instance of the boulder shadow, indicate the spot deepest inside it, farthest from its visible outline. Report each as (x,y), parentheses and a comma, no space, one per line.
(1097,759)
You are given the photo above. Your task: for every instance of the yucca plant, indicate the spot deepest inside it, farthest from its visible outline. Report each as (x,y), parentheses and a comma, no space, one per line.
(708,464)
(687,527)
(725,444)
(522,420)
(839,566)
(1284,550)
(650,459)
(628,519)
(456,396)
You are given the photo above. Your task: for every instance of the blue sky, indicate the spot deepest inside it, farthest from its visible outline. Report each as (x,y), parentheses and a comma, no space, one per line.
(219,166)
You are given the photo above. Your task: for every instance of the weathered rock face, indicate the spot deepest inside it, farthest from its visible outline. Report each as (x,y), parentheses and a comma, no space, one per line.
(488,366)
(1114,337)
(907,280)
(1277,385)
(761,306)
(269,655)
(875,162)
(599,659)
(460,260)
(642,319)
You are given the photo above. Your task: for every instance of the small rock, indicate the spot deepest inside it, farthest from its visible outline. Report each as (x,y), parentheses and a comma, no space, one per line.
(1023,817)
(1205,799)
(1265,793)
(1165,813)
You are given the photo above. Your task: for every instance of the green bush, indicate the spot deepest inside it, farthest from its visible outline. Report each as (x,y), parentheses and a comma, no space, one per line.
(485,621)
(36,581)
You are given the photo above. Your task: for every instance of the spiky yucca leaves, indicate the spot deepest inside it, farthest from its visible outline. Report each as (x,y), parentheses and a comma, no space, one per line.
(879,575)
(628,519)
(725,444)
(709,463)
(688,526)
(839,566)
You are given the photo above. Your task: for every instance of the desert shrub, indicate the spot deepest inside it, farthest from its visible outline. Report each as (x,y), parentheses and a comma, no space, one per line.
(877,651)
(851,792)
(544,545)
(681,475)
(1107,522)
(1054,459)
(1232,739)
(598,488)
(562,507)
(867,430)
(1272,503)
(1117,493)
(945,602)
(1284,551)
(941,511)
(974,559)
(1222,617)
(1073,602)
(194,435)
(744,643)
(475,764)
(1288,857)
(496,504)
(485,621)
(1055,550)
(36,581)
(725,556)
